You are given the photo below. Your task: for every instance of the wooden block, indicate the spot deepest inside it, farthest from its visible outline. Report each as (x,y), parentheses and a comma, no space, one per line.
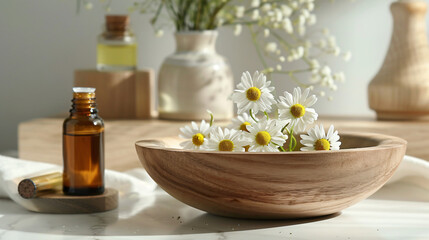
(121,94)
(144,92)
(59,203)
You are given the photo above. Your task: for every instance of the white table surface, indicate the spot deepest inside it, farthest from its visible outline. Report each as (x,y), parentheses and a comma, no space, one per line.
(399,211)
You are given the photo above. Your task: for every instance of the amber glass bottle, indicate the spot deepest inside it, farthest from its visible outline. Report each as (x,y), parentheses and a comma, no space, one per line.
(83,146)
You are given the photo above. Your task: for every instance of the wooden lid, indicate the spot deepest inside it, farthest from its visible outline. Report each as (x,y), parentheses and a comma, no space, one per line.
(117,23)
(27,189)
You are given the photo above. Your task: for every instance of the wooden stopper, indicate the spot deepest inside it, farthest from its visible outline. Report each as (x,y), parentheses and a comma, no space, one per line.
(36,186)
(117,24)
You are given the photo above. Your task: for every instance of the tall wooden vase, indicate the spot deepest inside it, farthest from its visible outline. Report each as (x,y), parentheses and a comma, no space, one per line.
(400,90)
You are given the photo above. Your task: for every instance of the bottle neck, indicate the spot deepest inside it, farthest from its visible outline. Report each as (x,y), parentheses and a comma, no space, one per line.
(83,104)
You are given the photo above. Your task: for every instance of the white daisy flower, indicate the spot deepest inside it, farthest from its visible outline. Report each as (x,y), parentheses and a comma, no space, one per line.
(253,94)
(266,136)
(296,108)
(197,135)
(315,139)
(241,122)
(228,140)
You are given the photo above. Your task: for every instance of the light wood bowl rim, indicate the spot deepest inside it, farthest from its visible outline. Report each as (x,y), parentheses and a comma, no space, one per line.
(384,142)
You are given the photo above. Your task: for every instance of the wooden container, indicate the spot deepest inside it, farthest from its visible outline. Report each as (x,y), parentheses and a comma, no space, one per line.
(274,185)
(121,94)
(400,90)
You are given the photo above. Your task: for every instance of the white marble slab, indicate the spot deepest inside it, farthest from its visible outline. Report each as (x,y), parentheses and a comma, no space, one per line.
(399,211)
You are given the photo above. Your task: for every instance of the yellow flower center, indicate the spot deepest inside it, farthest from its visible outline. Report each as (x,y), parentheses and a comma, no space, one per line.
(263,138)
(322,144)
(297,110)
(226,145)
(198,139)
(253,93)
(243,126)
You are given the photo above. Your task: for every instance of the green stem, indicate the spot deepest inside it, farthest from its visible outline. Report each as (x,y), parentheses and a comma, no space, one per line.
(292,71)
(285,127)
(266,114)
(78,7)
(212,21)
(285,44)
(211,119)
(291,147)
(243,23)
(297,81)
(293,140)
(158,12)
(197,16)
(251,115)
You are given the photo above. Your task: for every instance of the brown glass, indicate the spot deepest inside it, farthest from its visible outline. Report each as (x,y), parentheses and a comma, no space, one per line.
(83,148)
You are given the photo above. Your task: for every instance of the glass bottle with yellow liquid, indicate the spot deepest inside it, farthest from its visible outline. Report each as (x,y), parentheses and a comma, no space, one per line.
(117,47)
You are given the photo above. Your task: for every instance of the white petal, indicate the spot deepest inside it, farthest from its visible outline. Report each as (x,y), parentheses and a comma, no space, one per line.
(310,101)
(304,95)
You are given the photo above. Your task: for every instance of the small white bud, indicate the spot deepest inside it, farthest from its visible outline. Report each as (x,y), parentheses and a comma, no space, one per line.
(287,25)
(255,3)
(255,14)
(266,32)
(286,10)
(237,29)
(271,47)
(88,5)
(239,11)
(266,7)
(311,20)
(159,33)
(347,56)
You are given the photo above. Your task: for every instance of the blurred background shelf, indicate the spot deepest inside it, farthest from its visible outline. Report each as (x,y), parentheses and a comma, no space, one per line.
(41,139)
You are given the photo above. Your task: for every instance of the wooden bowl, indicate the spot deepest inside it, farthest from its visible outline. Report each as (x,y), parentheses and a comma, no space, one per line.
(274,185)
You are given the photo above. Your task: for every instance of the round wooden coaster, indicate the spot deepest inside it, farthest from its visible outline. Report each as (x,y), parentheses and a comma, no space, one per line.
(60,203)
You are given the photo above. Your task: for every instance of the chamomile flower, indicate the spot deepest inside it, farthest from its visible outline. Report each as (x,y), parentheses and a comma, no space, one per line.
(253,93)
(296,108)
(315,139)
(197,135)
(227,140)
(241,122)
(265,136)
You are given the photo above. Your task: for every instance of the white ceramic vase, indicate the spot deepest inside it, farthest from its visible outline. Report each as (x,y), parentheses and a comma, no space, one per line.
(195,79)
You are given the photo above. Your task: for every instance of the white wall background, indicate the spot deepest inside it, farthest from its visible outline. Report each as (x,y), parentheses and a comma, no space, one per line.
(42,43)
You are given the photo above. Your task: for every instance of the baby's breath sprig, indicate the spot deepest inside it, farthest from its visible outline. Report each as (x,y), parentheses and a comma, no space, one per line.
(281,32)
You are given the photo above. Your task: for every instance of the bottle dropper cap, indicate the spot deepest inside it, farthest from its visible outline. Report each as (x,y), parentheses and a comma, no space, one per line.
(83,90)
